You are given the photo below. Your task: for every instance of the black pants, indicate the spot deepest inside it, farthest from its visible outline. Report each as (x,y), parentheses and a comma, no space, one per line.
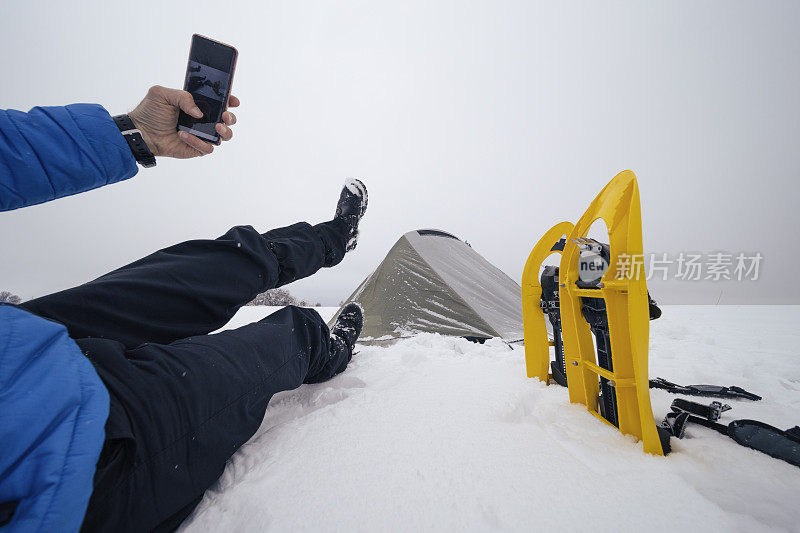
(183,401)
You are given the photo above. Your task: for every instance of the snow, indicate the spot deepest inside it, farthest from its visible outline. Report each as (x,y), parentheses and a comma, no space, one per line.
(354,186)
(437,433)
(254,313)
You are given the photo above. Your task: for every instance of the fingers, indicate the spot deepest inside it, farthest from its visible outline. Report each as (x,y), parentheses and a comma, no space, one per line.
(181,99)
(233,101)
(224,131)
(228,118)
(198,144)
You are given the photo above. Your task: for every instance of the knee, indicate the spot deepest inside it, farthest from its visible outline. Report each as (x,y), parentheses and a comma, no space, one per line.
(305,315)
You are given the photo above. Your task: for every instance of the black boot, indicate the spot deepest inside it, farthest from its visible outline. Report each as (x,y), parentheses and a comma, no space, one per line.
(349,323)
(344,334)
(341,234)
(351,207)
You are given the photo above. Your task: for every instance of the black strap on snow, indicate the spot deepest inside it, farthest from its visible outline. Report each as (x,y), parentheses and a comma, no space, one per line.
(674,424)
(703,390)
(712,411)
(783,445)
(716,426)
(684,411)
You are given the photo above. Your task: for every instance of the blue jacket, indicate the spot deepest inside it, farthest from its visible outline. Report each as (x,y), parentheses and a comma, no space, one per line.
(53,406)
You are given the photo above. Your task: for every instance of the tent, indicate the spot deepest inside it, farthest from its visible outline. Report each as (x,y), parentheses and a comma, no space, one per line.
(430,281)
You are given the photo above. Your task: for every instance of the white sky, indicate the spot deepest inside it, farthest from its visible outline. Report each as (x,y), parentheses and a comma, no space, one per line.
(492,120)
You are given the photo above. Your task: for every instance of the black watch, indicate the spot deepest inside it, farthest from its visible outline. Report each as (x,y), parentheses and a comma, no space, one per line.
(135,141)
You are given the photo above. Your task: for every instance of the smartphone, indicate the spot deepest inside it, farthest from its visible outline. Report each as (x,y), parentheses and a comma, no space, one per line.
(209,76)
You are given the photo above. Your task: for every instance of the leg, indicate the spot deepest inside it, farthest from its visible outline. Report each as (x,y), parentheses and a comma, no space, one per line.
(180,411)
(194,287)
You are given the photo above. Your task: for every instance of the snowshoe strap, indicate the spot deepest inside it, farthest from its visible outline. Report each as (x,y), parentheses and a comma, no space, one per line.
(743,393)
(784,445)
(550,306)
(712,411)
(594,312)
(716,426)
(684,411)
(559,245)
(675,423)
(703,390)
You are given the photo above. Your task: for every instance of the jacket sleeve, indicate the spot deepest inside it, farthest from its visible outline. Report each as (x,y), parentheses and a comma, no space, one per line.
(51,152)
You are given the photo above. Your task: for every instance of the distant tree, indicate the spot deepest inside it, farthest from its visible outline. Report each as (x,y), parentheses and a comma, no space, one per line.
(341,303)
(274,297)
(279,297)
(9,297)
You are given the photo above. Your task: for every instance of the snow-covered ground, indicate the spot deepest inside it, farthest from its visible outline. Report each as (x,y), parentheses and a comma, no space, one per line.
(437,433)
(253,313)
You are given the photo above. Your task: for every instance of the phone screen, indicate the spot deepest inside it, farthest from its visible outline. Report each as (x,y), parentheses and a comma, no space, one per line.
(208,77)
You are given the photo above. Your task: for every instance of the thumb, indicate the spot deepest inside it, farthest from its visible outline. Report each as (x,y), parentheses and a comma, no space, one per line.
(184,101)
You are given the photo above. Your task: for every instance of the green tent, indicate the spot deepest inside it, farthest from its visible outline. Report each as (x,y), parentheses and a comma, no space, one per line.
(430,281)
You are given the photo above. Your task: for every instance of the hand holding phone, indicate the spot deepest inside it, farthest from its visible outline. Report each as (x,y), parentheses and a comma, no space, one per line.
(209,76)
(169,119)
(157,115)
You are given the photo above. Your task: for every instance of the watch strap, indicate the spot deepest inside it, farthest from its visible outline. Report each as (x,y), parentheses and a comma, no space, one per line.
(135,141)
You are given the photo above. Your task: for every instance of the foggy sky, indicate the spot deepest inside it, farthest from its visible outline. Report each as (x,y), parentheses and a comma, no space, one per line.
(491,120)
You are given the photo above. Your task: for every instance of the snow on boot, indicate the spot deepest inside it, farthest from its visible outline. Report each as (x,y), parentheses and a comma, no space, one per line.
(348,325)
(351,207)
